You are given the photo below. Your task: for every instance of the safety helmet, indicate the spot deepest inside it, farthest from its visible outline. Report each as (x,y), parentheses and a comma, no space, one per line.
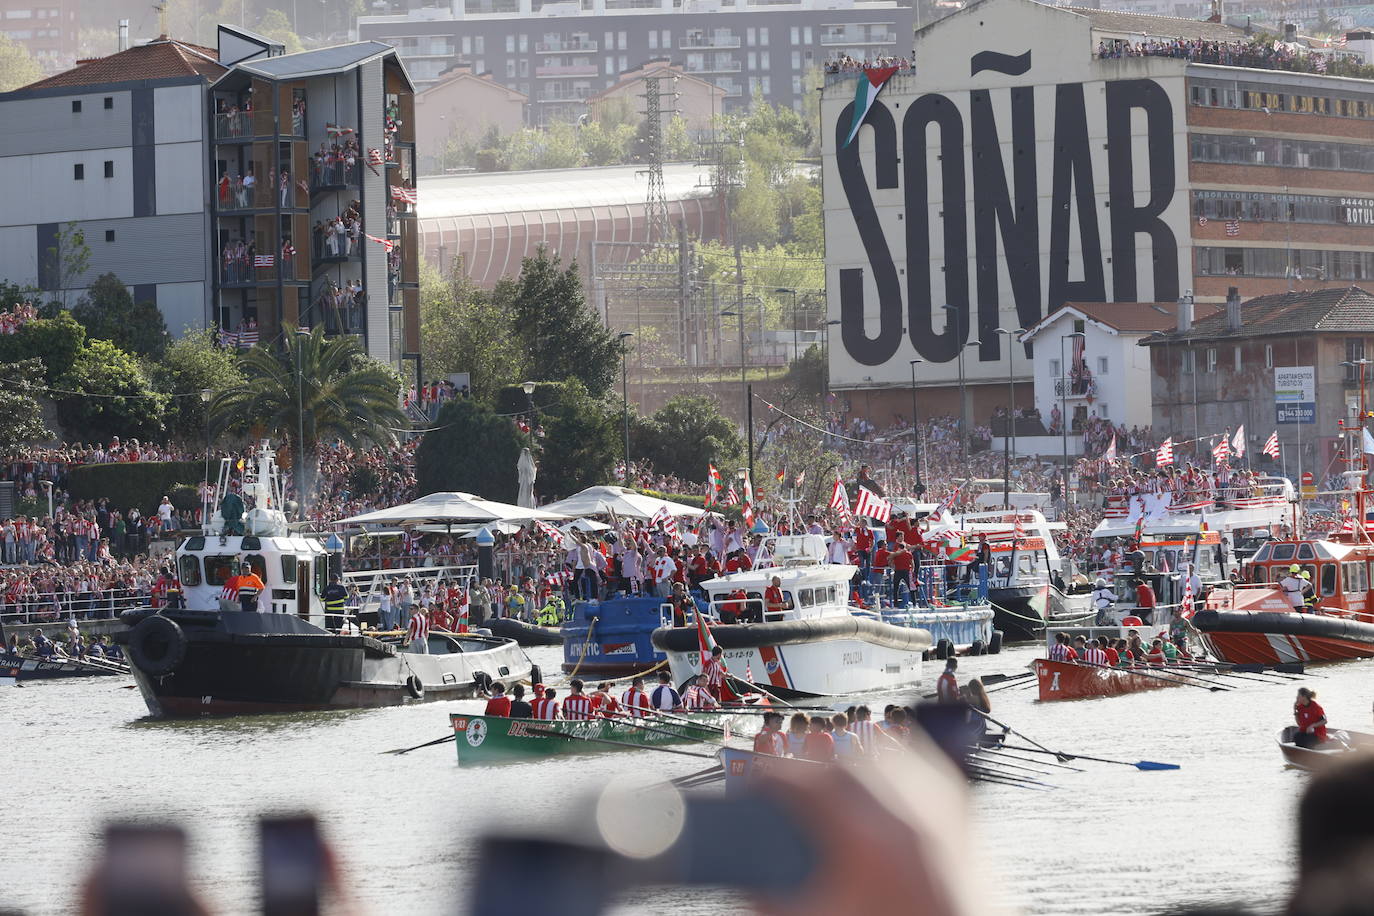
(1295,568)
(1306,575)
(1101,582)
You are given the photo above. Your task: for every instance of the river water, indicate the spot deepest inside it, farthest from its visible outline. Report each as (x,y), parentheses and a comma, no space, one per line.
(79,753)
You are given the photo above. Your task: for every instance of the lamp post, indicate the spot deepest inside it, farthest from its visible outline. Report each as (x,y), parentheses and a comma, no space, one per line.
(743,382)
(625,396)
(793,293)
(1009,434)
(825,365)
(299,457)
(1064,413)
(205,394)
(916,430)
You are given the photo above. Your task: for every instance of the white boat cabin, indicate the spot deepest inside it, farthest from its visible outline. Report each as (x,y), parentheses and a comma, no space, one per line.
(811,587)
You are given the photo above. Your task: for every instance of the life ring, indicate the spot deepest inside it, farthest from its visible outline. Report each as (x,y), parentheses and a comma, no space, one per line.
(415,687)
(481,681)
(995,644)
(157,646)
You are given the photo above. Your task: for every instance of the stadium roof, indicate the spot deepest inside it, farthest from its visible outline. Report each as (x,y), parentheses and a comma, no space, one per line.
(477,193)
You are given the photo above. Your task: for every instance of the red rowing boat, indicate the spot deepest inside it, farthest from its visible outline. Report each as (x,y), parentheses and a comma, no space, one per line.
(1072,681)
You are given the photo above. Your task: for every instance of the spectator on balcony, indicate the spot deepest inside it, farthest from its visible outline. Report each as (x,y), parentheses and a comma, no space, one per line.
(285,184)
(249,183)
(224,188)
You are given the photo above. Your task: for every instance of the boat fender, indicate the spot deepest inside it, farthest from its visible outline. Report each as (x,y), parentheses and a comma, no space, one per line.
(536,675)
(977,648)
(157,646)
(415,687)
(944,649)
(995,644)
(481,681)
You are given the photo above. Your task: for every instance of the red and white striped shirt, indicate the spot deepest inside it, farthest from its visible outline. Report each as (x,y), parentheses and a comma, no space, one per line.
(419,627)
(1062,653)
(577,706)
(545,708)
(636,702)
(712,675)
(865,731)
(1094,656)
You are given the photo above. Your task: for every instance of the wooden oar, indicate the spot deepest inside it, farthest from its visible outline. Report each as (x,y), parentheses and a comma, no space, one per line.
(683,780)
(1218,672)
(660,731)
(1058,766)
(995,761)
(980,775)
(1184,680)
(1014,680)
(637,747)
(407,750)
(687,721)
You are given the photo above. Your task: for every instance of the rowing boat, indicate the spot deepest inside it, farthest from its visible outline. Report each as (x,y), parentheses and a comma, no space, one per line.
(1338,743)
(484,740)
(1072,681)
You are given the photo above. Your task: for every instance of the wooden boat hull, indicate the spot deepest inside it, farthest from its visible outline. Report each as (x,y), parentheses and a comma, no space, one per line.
(1072,681)
(1270,637)
(1339,743)
(485,740)
(37,669)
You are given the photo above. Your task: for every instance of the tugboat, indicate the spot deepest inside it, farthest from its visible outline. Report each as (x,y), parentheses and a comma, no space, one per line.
(212,655)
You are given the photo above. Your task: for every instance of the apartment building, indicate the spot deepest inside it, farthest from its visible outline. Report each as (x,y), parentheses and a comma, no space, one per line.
(561,54)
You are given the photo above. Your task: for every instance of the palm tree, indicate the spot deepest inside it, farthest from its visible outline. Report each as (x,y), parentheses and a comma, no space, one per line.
(314,388)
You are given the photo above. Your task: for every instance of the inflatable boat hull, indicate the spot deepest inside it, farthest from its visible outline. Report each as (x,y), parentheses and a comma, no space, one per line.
(1270,638)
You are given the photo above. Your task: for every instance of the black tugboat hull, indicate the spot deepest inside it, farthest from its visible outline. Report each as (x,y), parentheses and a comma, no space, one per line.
(213,664)
(1022,612)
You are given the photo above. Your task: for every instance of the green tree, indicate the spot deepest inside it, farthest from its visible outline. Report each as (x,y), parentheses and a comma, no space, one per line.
(467,329)
(311,390)
(274,24)
(12,294)
(56,342)
(68,257)
(686,434)
(21,418)
(189,366)
(556,147)
(107,393)
(108,312)
(17,66)
(562,335)
(470,450)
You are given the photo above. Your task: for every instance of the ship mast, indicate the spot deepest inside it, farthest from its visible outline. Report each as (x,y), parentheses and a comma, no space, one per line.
(1356,474)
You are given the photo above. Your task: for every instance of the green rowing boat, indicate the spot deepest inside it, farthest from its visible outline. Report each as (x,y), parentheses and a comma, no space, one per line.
(484,740)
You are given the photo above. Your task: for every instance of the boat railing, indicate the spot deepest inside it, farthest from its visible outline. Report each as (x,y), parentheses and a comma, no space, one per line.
(1208,498)
(738,607)
(371,582)
(53,607)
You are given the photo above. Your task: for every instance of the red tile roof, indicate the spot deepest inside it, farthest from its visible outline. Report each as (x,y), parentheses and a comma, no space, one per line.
(163,58)
(1138,316)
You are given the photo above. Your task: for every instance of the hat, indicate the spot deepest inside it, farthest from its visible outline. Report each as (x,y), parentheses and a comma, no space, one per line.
(1100,582)
(1305,574)
(1294,568)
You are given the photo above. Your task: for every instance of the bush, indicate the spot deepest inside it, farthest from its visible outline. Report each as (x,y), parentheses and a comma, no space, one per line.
(184,497)
(140,484)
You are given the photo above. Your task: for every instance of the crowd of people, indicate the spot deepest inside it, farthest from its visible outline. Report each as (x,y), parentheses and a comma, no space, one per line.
(1253,54)
(341,307)
(340,236)
(847,64)
(336,163)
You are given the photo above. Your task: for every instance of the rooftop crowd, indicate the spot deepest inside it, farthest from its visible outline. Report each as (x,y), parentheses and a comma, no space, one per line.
(1255,54)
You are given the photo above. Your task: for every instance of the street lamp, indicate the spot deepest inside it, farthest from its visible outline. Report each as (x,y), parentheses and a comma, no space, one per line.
(299,457)
(793,293)
(825,364)
(743,383)
(916,429)
(1064,412)
(955,316)
(1009,434)
(205,394)
(625,396)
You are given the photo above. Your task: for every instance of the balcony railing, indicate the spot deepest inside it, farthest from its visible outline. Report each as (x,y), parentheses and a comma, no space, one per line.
(332,175)
(1075,387)
(708,41)
(247,270)
(565,47)
(331,248)
(564,95)
(858,38)
(236,195)
(566,70)
(729,65)
(232,125)
(339,309)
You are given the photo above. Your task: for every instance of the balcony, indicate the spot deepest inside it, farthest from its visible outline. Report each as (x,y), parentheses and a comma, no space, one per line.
(333,176)
(340,309)
(697,42)
(240,270)
(564,70)
(566,47)
(234,196)
(328,248)
(720,65)
(851,39)
(1074,388)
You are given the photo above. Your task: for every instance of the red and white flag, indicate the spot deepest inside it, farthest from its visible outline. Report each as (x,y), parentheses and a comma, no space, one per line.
(1164,455)
(1238,442)
(839,501)
(399,192)
(1271,445)
(1221,452)
(1110,453)
(1186,606)
(1018,531)
(731,497)
(661,517)
(374,156)
(549,531)
(748,509)
(871,505)
(945,505)
(387,244)
(264,260)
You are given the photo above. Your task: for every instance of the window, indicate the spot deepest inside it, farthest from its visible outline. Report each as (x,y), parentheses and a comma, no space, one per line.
(479,46)
(610,41)
(763,35)
(510,68)
(750,36)
(321,575)
(78,172)
(510,44)
(76,106)
(763,60)
(1238,361)
(796,35)
(288,567)
(255,562)
(1102,365)
(1189,363)
(217,570)
(1054,368)
(753,60)
(624,40)
(467,44)
(796,63)
(109,102)
(1283,552)
(1211,359)
(1328,579)
(1268,356)
(806,36)
(109,235)
(667,39)
(109,168)
(653,39)
(1354,352)
(189,569)
(524,44)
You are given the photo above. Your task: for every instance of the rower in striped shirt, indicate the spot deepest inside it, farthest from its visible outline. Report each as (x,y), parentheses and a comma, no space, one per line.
(865,730)
(1094,655)
(635,701)
(577,705)
(546,707)
(1061,651)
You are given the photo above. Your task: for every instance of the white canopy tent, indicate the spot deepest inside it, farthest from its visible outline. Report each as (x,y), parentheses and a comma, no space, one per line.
(620,502)
(452,509)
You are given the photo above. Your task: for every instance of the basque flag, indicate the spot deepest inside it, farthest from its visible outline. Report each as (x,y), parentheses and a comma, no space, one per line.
(870,84)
